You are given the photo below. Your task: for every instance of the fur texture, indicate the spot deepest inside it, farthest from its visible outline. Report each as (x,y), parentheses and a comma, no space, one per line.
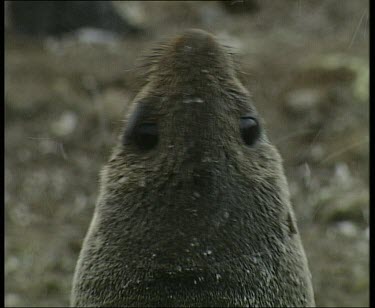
(201,219)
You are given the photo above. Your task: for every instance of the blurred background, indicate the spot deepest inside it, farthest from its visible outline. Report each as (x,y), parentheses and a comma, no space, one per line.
(71,71)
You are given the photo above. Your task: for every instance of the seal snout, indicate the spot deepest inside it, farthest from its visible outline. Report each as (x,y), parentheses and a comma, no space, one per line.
(195,55)
(195,40)
(194,43)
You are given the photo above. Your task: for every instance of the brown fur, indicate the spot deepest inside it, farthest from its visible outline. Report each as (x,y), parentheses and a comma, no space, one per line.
(201,219)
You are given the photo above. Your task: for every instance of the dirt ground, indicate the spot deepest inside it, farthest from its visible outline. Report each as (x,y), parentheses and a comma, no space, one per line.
(307,66)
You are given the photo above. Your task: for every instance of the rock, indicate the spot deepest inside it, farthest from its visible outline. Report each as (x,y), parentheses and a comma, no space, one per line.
(240,6)
(348,206)
(66,124)
(347,228)
(303,100)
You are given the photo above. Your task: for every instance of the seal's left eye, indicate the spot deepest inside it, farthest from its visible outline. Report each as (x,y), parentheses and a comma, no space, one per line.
(146,135)
(250,130)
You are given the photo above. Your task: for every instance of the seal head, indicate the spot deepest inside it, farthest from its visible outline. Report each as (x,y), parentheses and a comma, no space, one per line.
(194,206)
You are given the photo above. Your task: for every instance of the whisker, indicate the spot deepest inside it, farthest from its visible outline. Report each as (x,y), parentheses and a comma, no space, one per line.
(343,150)
(356,30)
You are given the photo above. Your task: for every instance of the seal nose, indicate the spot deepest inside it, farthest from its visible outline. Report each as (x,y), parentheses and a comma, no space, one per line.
(196,50)
(194,59)
(195,42)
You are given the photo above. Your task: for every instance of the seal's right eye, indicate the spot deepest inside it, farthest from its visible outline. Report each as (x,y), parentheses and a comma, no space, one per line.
(141,131)
(146,135)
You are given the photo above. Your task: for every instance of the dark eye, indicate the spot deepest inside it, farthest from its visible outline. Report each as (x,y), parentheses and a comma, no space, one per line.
(146,135)
(250,130)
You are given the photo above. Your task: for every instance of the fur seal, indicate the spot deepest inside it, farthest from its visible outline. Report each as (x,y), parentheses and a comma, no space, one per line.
(194,206)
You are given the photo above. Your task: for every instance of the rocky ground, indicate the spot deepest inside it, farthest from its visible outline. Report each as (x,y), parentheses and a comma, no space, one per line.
(306,63)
